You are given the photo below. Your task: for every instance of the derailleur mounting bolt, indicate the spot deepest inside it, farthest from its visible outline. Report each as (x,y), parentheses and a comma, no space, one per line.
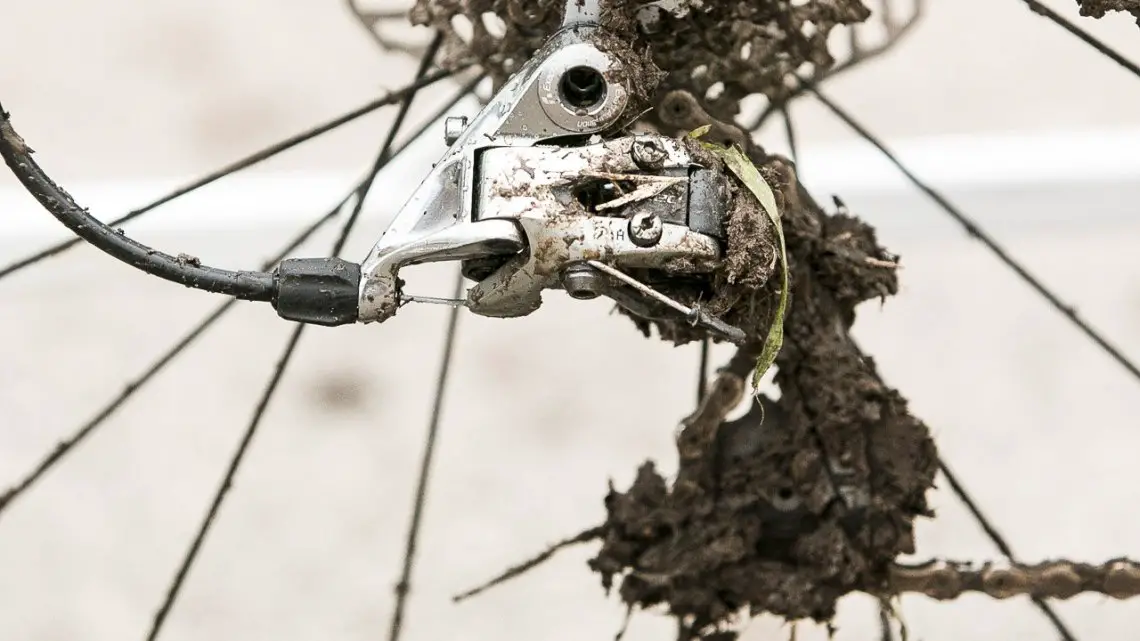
(582,282)
(645,229)
(453,128)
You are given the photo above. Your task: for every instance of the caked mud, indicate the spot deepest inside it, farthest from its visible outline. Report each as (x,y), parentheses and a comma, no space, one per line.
(805,498)
(812,495)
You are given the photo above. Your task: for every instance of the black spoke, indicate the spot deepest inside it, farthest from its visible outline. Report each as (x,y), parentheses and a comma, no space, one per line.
(67,445)
(1001,544)
(859,54)
(244,163)
(385,154)
(957,488)
(978,234)
(133,387)
(885,631)
(370,19)
(703,370)
(403,588)
(790,132)
(1085,36)
(223,489)
(238,456)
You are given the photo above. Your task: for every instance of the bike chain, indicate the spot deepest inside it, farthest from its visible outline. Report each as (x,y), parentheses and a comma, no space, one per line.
(1061,579)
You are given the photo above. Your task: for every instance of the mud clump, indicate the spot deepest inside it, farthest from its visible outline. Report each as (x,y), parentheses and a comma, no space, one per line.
(804,499)
(1101,8)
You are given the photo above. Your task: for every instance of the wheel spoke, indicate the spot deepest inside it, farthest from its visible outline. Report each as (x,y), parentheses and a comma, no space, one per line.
(703,370)
(885,631)
(980,235)
(790,133)
(403,588)
(361,193)
(136,385)
(889,24)
(957,488)
(370,20)
(133,387)
(1000,543)
(1086,37)
(223,489)
(234,167)
(386,149)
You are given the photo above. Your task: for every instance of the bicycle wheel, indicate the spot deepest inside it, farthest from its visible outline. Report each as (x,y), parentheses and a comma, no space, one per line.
(340,408)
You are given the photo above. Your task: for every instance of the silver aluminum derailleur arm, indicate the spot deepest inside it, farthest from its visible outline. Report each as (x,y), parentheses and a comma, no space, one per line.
(440,222)
(529,198)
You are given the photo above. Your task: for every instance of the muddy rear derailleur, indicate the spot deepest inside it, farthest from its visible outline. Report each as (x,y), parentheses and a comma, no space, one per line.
(530,196)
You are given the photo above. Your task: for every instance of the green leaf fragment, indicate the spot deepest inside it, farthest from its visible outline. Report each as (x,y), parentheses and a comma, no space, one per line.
(746,171)
(699,132)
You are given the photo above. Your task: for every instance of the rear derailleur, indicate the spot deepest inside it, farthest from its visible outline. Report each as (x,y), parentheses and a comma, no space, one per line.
(534,193)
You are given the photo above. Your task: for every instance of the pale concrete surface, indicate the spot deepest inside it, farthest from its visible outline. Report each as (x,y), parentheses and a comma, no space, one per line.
(542,411)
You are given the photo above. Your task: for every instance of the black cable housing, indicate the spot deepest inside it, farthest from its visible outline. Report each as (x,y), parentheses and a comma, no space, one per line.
(247,285)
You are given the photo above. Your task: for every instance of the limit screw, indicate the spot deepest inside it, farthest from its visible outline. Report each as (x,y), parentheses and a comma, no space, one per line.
(645,229)
(648,154)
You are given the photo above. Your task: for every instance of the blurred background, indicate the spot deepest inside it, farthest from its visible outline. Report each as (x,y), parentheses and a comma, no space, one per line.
(1027,129)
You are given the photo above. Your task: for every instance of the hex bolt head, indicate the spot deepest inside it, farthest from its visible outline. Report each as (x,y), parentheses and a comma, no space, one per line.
(648,154)
(645,229)
(582,282)
(453,128)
